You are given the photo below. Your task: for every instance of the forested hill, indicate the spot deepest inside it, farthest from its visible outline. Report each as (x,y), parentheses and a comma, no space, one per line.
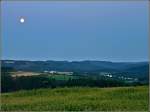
(77,66)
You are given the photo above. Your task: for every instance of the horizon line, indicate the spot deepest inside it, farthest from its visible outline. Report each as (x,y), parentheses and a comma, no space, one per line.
(75,60)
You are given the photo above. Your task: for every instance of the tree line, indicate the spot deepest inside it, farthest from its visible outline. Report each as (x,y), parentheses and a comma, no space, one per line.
(9,83)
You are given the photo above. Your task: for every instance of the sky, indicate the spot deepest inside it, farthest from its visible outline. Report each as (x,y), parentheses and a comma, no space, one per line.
(104,31)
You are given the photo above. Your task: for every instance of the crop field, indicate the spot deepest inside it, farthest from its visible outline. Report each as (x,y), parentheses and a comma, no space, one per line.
(20,73)
(77,99)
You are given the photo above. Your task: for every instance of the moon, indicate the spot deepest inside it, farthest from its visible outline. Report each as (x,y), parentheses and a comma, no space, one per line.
(22,20)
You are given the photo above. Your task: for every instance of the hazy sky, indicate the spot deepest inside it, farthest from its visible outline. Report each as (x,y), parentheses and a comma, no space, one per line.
(113,31)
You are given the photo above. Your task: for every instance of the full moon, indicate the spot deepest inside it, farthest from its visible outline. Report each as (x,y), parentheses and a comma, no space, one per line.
(22,20)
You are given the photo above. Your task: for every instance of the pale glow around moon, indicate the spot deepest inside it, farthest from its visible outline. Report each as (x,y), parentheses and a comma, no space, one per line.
(22,20)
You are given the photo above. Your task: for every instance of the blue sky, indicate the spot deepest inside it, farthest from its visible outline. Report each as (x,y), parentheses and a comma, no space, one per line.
(112,31)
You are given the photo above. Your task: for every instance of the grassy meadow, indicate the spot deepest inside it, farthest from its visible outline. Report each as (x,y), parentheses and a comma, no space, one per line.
(77,99)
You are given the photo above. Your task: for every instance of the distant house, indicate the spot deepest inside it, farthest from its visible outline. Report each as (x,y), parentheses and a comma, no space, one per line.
(45,71)
(106,74)
(52,72)
(58,72)
(66,73)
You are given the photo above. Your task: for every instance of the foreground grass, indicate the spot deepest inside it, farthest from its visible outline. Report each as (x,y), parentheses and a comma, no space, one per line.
(78,99)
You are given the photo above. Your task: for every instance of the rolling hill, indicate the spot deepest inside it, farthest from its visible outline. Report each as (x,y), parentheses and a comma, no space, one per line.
(75,66)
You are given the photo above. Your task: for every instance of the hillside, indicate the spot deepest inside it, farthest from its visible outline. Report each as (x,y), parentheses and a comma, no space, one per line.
(76,66)
(78,99)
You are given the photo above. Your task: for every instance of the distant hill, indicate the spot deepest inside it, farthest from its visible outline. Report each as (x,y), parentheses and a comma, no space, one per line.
(77,66)
(138,70)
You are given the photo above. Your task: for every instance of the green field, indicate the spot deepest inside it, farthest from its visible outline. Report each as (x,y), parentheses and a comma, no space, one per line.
(63,77)
(78,99)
